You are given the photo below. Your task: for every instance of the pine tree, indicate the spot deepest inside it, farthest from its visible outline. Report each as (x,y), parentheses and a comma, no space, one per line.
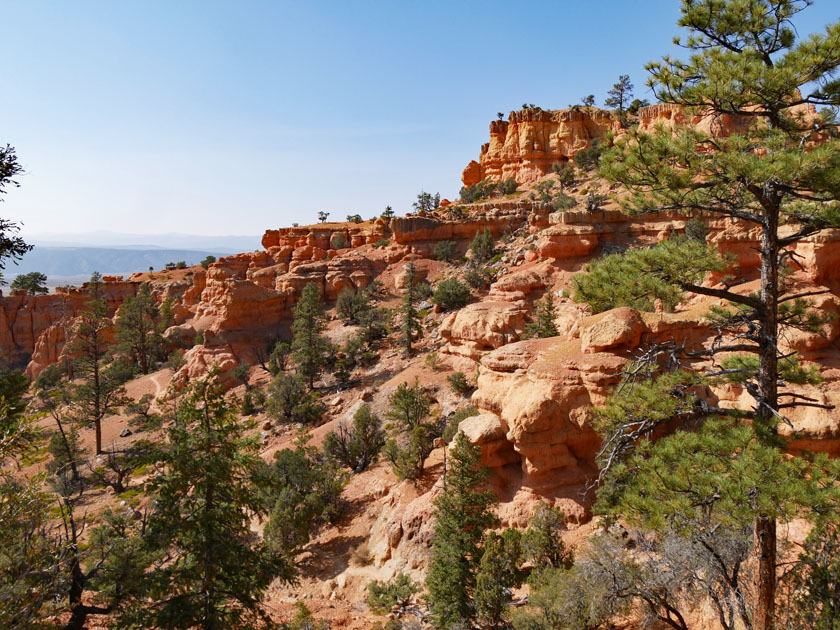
(215,576)
(34,283)
(498,574)
(779,173)
(100,391)
(544,315)
(411,437)
(309,345)
(30,582)
(462,512)
(541,543)
(140,327)
(12,247)
(410,325)
(620,95)
(356,446)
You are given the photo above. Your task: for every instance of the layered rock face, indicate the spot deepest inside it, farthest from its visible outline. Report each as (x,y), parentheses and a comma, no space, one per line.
(242,304)
(25,319)
(527,144)
(531,141)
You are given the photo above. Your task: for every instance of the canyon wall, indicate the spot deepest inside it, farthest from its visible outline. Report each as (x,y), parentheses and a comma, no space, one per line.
(25,319)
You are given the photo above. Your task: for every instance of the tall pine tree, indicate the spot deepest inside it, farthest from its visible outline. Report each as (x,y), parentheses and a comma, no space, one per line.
(410,320)
(309,345)
(100,391)
(210,574)
(139,328)
(778,172)
(463,512)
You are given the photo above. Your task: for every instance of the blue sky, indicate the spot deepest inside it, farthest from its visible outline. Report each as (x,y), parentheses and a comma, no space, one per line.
(230,118)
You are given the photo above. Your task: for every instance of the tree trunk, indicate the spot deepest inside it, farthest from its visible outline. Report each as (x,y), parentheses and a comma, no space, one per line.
(766,419)
(765,547)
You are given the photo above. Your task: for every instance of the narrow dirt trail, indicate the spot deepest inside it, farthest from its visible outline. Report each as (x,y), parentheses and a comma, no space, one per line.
(158,387)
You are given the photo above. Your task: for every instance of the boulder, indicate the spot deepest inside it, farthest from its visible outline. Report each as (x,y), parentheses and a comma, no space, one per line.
(619,327)
(481,327)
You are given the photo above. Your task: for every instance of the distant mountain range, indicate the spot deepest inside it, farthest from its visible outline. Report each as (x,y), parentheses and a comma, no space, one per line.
(72,258)
(65,265)
(121,240)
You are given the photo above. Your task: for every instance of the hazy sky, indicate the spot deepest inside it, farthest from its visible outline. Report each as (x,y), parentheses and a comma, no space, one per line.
(233,117)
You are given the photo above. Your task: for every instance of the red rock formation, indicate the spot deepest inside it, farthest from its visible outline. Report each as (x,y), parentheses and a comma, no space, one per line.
(24,319)
(527,144)
(531,141)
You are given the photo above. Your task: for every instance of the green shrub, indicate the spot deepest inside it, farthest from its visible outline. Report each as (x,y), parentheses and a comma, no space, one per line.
(445,250)
(589,157)
(242,373)
(351,304)
(497,575)
(424,290)
(542,544)
(479,277)
(507,186)
(483,247)
(142,415)
(304,620)
(289,400)
(383,596)
(181,264)
(339,241)
(459,383)
(477,191)
(354,218)
(544,315)
(382,242)
(246,407)
(455,213)
(209,260)
(356,446)
(545,190)
(565,174)
(279,357)
(433,361)
(304,492)
(451,294)
(594,202)
(563,202)
(456,419)
(411,437)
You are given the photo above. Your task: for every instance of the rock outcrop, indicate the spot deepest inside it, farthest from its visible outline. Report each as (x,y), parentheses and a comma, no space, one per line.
(530,141)
(25,319)
(481,327)
(535,397)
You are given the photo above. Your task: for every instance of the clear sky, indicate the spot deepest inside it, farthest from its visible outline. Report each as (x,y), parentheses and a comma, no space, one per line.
(232,117)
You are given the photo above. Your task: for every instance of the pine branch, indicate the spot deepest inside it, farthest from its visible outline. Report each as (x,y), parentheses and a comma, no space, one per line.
(746,300)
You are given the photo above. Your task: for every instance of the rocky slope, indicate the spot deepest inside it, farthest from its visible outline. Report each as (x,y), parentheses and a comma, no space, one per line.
(534,396)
